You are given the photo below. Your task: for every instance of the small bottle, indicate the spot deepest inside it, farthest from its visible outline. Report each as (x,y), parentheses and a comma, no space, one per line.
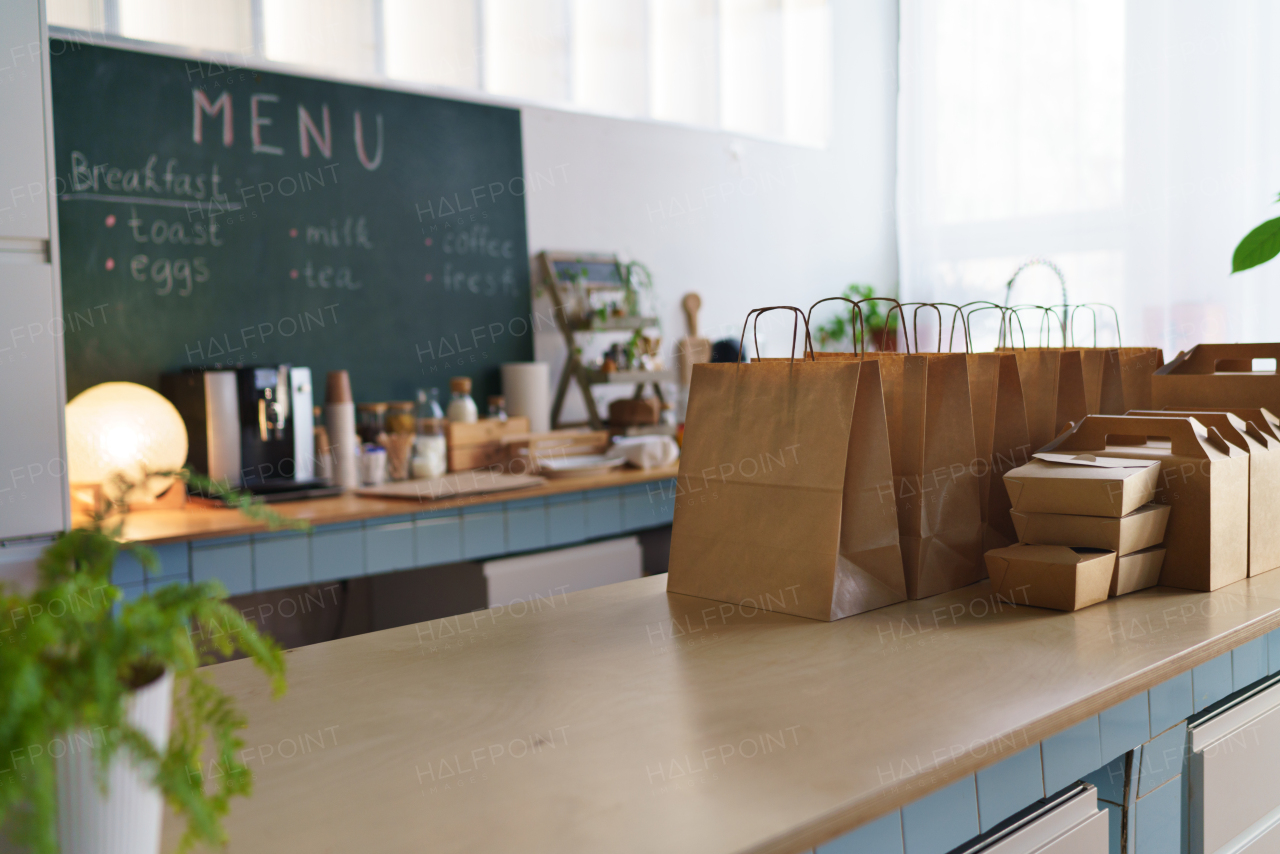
(323,450)
(430,446)
(462,408)
(498,407)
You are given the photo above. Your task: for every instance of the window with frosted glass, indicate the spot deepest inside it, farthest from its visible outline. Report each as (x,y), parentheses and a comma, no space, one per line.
(223,25)
(759,67)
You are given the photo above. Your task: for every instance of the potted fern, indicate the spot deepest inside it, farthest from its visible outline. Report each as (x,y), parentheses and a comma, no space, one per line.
(88,752)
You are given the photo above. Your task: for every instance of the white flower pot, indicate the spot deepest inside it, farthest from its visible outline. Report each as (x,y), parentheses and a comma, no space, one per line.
(127,819)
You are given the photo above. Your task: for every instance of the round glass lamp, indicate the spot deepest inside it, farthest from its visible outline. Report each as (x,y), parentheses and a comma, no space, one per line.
(125,428)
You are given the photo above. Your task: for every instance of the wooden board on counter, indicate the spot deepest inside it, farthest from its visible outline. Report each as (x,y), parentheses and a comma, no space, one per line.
(627,719)
(197,523)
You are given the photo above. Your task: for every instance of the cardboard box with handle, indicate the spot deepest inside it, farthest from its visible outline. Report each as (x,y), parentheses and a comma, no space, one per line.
(1204,479)
(1264,480)
(1218,375)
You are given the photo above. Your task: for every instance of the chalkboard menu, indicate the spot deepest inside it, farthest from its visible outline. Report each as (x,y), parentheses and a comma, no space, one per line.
(214,215)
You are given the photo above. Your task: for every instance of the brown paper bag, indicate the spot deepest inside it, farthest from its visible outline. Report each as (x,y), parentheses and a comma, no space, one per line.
(1217,375)
(1137,365)
(1204,479)
(1052,390)
(935,467)
(1264,480)
(1103,385)
(1117,379)
(1000,437)
(784,497)
(936,471)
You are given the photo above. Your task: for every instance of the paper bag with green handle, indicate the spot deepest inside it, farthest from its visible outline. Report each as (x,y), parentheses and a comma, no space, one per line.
(1203,479)
(784,497)
(1218,375)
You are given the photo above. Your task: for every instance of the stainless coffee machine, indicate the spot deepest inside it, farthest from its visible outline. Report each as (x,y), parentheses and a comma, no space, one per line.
(250,427)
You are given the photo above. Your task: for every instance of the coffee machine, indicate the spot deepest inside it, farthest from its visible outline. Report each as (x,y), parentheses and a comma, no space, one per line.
(250,427)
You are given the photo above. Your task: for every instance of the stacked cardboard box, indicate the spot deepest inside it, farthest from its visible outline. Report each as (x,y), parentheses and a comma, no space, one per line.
(1087,529)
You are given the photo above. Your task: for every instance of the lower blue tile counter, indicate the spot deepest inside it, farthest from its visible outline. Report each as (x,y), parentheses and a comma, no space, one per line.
(278,559)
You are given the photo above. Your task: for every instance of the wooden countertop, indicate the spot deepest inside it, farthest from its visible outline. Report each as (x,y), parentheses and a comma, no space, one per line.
(198,523)
(627,719)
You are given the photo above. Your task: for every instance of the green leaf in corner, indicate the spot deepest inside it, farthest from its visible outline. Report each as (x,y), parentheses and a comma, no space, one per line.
(1259,246)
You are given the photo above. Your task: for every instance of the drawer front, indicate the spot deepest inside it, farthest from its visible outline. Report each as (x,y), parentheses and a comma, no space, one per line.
(1234,785)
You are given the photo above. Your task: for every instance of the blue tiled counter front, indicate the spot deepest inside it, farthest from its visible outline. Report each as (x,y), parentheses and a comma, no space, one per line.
(1150,729)
(277,559)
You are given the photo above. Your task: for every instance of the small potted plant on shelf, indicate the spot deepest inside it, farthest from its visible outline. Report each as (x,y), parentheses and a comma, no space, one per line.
(840,329)
(89,682)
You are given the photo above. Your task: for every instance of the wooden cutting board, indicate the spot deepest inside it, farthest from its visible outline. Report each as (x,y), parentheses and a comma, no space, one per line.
(691,350)
(452,485)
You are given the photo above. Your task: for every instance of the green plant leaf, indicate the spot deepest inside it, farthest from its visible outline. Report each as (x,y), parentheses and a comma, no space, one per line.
(71,653)
(1259,246)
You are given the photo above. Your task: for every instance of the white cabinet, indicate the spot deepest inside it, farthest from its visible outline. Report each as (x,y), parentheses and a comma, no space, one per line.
(33,491)
(1071,825)
(1234,790)
(24,209)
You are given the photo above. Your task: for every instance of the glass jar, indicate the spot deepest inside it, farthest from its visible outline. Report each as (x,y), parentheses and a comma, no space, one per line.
(498,407)
(371,421)
(462,408)
(430,446)
(400,418)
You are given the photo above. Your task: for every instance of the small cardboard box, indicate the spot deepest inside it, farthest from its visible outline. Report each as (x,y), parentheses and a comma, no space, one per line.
(1082,485)
(1137,571)
(1140,529)
(1057,577)
(1203,477)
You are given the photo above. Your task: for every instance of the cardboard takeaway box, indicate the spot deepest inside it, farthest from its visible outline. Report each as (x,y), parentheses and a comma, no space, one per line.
(1057,577)
(1123,535)
(1081,485)
(1137,571)
(1203,478)
(1248,434)
(1217,375)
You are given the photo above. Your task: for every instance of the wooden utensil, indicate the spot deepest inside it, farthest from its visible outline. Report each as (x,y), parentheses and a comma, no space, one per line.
(691,350)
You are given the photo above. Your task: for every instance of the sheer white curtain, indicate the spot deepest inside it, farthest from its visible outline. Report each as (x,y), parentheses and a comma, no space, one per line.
(1131,142)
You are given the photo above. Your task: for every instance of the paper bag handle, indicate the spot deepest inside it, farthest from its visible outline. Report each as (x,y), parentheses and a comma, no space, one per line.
(1071,325)
(1091,434)
(795,328)
(937,307)
(951,337)
(1045,313)
(905,343)
(857,313)
(985,305)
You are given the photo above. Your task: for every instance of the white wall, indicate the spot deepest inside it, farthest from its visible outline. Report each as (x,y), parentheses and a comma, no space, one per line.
(770,223)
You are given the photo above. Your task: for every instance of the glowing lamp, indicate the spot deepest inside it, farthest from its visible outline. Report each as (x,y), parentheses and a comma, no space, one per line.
(123,428)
